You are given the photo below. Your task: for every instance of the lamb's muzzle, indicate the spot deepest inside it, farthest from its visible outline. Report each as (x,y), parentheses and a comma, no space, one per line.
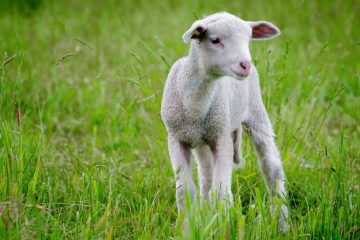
(242,69)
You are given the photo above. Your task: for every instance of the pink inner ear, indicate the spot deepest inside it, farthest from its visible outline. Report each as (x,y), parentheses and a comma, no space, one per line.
(263,31)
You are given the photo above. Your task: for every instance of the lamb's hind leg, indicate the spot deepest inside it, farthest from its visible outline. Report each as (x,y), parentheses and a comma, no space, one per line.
(237,139)
(269,159)
(180,159)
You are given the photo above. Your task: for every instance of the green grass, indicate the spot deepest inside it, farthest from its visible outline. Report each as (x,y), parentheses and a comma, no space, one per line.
(83,150)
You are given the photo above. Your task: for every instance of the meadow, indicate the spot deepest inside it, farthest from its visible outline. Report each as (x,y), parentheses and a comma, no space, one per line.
(83,151)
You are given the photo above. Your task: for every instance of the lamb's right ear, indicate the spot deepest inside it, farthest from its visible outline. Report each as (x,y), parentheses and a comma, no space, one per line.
(196,31)
(263,30)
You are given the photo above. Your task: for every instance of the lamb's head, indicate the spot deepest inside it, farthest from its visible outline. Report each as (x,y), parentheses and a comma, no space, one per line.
(221,42)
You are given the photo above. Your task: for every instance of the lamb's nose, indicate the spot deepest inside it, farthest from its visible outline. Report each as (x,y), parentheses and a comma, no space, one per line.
(241,69)
(245,65)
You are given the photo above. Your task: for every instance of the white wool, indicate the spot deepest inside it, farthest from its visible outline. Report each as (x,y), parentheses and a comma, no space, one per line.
(209,95)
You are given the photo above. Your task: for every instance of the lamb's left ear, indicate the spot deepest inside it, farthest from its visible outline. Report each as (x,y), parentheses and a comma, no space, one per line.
(263,30)
(196,31)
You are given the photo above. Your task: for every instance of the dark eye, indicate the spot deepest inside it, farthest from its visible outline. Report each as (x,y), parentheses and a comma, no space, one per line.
(215,41)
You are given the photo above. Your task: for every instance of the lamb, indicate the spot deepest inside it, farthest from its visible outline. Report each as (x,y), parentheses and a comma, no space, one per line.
(209,96)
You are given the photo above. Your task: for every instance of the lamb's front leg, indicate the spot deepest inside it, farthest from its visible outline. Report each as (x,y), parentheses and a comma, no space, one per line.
(205,160)
(180,159)
(223,152)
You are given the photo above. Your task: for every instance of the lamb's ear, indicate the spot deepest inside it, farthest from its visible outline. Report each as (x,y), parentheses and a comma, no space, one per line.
(263,30)
(196,31)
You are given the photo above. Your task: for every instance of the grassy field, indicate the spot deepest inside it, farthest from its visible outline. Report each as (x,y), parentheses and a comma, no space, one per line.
(83,151)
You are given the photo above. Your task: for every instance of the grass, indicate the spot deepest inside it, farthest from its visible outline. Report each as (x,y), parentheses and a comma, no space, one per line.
(83,150)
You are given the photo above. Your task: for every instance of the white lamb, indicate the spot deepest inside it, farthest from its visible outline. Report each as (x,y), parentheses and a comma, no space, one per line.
(208,96)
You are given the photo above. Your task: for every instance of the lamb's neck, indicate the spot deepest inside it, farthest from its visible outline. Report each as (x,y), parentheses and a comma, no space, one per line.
(198,87)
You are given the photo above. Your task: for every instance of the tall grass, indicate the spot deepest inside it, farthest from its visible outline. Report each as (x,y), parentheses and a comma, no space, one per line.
(83,151)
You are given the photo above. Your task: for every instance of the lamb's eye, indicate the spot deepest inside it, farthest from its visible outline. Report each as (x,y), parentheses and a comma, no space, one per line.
(215,41)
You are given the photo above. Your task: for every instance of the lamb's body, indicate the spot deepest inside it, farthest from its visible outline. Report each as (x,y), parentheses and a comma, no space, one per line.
(199,112)
(204,107)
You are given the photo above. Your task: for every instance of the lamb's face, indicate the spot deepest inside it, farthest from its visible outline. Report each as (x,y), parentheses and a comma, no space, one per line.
(223,43)
(225,48)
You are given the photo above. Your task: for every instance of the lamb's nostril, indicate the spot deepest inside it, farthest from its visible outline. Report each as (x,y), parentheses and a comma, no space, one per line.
(245,65)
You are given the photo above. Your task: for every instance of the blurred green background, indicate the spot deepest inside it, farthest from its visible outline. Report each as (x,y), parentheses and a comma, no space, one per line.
(83,150)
